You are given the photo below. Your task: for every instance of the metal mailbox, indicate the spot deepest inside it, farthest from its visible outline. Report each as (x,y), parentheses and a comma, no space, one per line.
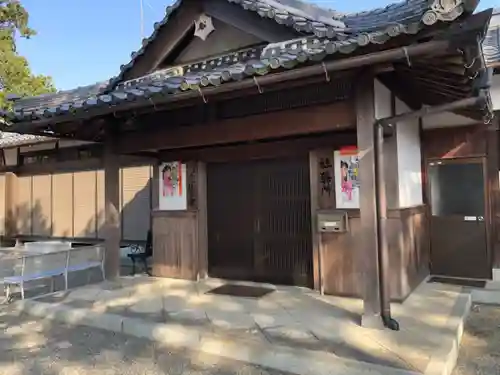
(332,222)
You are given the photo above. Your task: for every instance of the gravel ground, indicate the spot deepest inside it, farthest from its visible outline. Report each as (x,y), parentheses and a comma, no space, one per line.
(480,350)
(28,346)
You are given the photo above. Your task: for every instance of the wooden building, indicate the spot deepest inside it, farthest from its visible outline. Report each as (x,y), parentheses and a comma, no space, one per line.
(288,144)
(54,189)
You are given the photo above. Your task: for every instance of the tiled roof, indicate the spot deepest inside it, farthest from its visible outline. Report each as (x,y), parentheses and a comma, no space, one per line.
(491,45)
(351,32)
(14,139)
(310,19)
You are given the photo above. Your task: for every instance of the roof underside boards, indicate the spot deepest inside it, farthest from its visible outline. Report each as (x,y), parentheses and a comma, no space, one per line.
(491,45)
(350,33)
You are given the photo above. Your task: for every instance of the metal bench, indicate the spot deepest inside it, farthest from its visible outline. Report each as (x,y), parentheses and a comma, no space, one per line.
(53,264)
(142,254)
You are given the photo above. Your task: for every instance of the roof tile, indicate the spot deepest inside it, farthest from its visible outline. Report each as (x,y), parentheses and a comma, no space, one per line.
(373,27)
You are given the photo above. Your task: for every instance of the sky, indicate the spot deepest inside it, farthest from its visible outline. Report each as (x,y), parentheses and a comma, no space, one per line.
(80,42)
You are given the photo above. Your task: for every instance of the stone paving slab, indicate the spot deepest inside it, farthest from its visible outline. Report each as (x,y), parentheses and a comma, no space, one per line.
(296,361)
(306,322)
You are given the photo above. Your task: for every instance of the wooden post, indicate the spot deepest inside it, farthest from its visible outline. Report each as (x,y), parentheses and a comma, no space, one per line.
(202,220)
(367,259)
(112,233)
(492,167)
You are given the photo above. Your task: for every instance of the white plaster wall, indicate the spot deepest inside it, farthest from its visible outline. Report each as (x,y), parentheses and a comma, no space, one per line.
(383,109)
(382,101)
(409,160)
(495,92)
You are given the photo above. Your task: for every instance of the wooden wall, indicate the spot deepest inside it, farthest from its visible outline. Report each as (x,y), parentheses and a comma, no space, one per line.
(407,237)
(180,237)
(70,204)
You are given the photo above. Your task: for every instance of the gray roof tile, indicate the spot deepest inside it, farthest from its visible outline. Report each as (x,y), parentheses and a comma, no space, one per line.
(324,23)
(373,27)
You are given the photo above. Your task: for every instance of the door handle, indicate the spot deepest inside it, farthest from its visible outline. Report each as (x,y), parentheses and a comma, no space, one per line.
(480,218)
(257,225)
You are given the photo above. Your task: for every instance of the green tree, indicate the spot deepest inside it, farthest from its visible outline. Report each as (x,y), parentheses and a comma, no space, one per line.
(15,74)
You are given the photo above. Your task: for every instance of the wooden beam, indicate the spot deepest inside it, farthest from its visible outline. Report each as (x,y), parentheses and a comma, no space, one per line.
(250,22)
(367,259)
(262,150)
(307,120)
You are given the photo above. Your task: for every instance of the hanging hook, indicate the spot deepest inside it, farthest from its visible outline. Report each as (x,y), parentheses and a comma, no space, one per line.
(202,96)
(474,76)
(466,66)
(258,86)
(487,118)
(153,103)
(327,76)
(407,56)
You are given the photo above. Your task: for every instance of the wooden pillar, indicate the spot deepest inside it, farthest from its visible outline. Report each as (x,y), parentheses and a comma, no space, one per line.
(492,167)
(112,233)
(202,218)
(367,259)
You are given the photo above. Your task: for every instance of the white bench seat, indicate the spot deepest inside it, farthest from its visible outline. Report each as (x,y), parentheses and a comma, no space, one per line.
(83,266)
(54,263)
(34,276)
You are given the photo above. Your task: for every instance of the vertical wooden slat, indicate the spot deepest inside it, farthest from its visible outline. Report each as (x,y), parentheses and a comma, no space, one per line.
(24,205)
(100,216)
(62,205)
(135,202)
(11,194)
(3,205)
(42,205)
(84,203)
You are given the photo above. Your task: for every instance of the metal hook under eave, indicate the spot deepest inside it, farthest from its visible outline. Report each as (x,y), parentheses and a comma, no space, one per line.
(407,56)
(467,66)
(327,76)
(258,86)
(474,76)
(488,118)
(202,96)
(153,103)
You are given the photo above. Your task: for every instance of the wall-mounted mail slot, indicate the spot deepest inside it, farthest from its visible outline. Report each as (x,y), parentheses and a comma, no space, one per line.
(332,222)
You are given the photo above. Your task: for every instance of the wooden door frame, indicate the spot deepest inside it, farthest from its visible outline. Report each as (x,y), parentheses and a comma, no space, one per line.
(487,209)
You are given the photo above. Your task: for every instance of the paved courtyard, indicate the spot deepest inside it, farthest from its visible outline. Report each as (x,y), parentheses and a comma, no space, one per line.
(31,346)
(291,329)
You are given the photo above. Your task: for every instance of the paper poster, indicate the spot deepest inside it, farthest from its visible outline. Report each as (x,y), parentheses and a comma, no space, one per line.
(346,178)
(173,188)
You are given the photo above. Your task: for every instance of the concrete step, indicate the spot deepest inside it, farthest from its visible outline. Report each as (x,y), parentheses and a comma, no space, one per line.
(279,357)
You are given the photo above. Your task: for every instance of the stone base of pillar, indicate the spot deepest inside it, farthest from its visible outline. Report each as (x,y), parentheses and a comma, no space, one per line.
(372,321)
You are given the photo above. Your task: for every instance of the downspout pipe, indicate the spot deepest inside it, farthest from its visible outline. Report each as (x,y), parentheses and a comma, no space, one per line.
(383,248)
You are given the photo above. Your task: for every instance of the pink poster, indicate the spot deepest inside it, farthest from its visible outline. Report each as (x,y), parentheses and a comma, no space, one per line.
(173,196)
